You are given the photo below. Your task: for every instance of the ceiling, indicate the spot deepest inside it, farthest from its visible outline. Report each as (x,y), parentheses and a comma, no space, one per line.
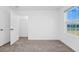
(23,8)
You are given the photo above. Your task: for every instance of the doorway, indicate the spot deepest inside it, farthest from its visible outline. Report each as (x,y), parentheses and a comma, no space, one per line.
(18,27)
(23,27)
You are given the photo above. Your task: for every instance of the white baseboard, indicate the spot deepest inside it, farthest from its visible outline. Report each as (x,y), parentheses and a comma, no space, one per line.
(71,46)
(43,38)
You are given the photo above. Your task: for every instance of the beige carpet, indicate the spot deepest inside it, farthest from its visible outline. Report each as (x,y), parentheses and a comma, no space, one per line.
(24,45)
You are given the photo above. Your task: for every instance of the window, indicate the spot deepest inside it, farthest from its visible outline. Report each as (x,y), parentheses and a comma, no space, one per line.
(72,18)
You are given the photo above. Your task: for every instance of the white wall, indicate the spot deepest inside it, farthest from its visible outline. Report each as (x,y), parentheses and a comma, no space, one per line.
(69,40)
(43,24)
(23,29)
